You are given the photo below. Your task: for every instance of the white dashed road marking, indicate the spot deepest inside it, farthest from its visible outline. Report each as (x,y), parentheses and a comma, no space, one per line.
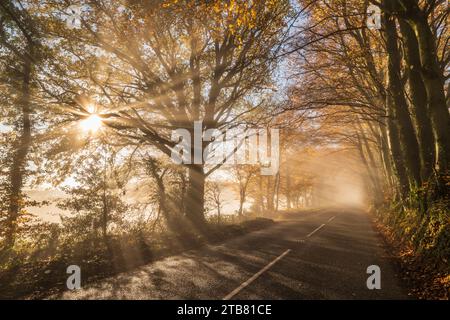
(267,267)
(315,230)
(255,276)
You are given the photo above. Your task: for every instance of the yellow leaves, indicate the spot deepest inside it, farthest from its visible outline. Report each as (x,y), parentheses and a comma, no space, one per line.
(169,3)
(232,5)
(445,280)
(235,14)
(234,17)
(24,217)
(238,16)
(217,8)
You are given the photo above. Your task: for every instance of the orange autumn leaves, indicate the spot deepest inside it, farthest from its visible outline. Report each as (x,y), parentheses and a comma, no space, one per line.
(233,16)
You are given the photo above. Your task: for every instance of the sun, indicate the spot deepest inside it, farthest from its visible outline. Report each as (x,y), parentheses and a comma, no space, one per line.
(92,124)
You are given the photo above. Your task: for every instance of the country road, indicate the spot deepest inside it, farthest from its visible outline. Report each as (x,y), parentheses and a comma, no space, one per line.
(316,255)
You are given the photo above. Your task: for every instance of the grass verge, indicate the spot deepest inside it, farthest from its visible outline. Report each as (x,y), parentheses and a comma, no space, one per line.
(421,244)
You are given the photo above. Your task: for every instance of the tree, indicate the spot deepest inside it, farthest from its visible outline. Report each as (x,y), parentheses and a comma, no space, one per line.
(170,192)
(399,105)
(214,197)
(177,63)
(95,199)
(243,175)
(432,72)
(342,78)
(19,44)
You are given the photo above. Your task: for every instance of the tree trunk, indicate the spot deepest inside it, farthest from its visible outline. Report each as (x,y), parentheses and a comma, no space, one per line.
(22,146)
(105,217)
(434,82)
(385,155)
(277,190)
(288,186)
(260,197)
(370,164)
(408,140)
(418,95)
(270,194)
(218,212)
(397,157)
(243,193)
(242,196)
(195,202)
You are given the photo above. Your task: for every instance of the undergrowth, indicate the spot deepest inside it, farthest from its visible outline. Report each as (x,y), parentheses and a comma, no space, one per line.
(421,240)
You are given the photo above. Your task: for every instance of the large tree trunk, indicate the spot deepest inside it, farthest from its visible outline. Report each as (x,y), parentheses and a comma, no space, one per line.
(397,157)
(418,95)
(408,140)
(22,146)
(195,202)
(434,82)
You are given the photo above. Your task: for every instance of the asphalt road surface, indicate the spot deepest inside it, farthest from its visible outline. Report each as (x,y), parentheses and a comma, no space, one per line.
(317,255)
